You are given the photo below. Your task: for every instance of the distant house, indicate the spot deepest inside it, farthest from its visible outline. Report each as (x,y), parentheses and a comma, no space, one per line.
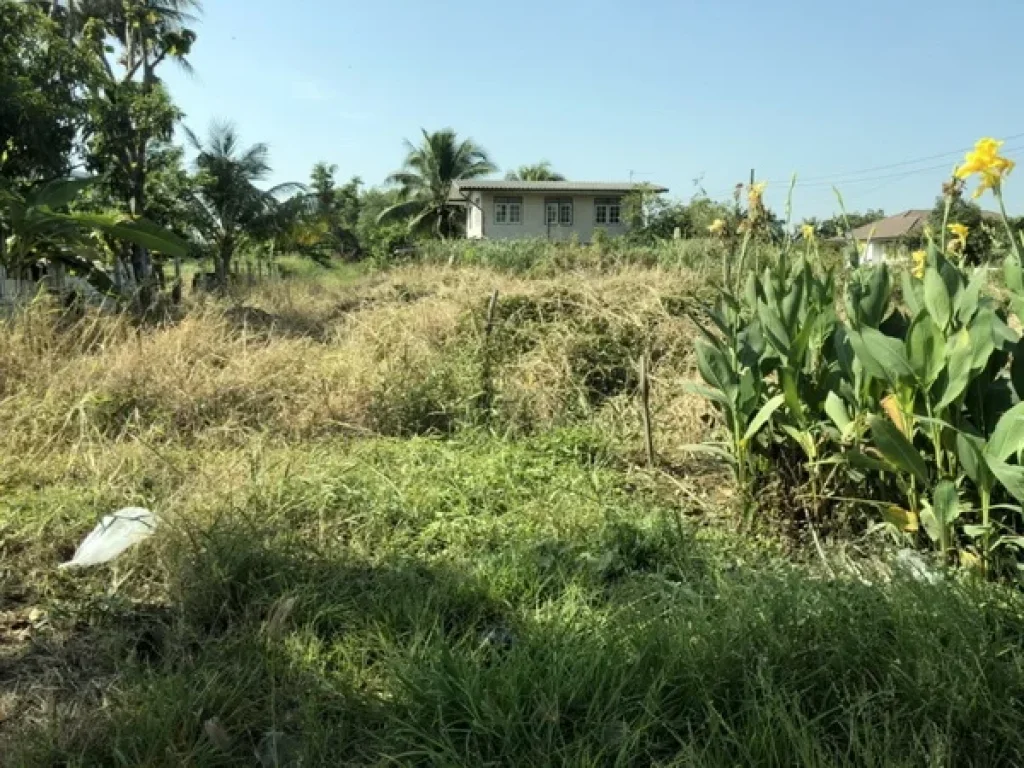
(507,210)
(884,237)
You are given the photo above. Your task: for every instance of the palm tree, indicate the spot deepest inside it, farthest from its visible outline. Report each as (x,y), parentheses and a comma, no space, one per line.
(427,177)
(228,208)
(539,172)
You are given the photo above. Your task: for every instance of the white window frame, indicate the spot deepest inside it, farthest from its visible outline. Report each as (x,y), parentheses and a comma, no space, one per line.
(558,205)
(609,209)
(508,211)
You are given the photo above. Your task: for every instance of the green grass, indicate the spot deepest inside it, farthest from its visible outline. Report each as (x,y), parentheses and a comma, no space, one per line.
(363,565)
(473,601)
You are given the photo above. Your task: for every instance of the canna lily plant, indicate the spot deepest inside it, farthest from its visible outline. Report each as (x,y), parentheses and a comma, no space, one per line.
(909,400)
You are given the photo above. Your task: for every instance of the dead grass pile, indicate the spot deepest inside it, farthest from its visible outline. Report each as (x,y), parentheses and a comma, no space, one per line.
(399,353)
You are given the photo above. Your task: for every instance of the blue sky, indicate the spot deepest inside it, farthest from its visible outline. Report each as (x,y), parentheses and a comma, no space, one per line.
(673,90)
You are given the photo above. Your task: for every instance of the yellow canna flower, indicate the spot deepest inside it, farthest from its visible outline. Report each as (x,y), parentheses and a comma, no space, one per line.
(985,161)
(807,230)
(717,227)
(755,193)
(919,258)
(959,232)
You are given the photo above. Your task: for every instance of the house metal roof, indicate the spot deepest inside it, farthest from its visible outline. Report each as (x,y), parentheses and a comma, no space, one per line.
(905,224)
(503,185)
(893,227)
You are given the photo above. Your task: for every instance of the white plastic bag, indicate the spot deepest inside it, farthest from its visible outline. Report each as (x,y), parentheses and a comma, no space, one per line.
(114,534)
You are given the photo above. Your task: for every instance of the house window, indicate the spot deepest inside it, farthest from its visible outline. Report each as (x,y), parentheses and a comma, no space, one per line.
(558,211)
(508,210)
(608,210)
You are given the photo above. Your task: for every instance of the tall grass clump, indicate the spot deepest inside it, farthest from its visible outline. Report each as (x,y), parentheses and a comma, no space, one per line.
(547,258)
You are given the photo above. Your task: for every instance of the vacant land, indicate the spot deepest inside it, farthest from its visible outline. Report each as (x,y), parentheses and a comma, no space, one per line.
(401,528)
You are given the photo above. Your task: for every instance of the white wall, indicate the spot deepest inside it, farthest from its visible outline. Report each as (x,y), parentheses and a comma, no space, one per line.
(874,253)
(474,217)
(533,223)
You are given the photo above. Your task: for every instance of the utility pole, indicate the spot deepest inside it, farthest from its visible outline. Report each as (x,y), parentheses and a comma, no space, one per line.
(751,177)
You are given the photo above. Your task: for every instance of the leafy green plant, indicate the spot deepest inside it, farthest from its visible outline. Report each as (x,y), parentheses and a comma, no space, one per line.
(38,226)
(909,398)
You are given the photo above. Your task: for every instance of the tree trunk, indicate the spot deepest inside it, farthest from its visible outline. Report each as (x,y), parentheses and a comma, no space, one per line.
(224,254)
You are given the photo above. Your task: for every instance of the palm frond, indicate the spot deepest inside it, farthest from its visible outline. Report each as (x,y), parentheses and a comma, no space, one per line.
(401,211)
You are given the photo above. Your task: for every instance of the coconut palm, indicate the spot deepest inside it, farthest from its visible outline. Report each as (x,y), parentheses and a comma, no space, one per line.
(427,177)
(539,172)
(228,208)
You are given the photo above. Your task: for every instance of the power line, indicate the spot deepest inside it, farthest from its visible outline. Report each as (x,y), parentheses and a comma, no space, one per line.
(903,163)
(805,184)
(842,178)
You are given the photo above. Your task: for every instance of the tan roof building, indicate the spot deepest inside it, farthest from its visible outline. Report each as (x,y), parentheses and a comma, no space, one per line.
(895,227)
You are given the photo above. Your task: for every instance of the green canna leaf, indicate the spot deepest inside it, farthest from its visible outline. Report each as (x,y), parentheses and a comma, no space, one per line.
(1014,274)
(791,394)
(861,460)
(946,503)
(970,453)
(926,349)
(1010,476)
(762,417)
(1002,334)
(875,300)
(952,277)
(750,291)
(837,411)
(912,295)
(707,393)
(774,329)
(802,438)
(967,301)
(1008,436)
(715,369)
(936,298)
(882,356)
(982,342)
(1017,369)
(958,368)
(897,449)
(792,303)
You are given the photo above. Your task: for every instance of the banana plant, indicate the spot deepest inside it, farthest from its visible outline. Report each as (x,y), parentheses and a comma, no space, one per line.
(36,226)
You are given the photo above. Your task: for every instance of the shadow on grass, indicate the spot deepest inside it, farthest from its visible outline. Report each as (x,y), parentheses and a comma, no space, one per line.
(637,650)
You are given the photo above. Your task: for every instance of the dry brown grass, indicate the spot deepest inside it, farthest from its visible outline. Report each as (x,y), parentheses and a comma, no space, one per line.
(395,353)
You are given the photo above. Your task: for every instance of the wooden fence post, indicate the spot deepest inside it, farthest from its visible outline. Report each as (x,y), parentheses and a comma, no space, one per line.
(486,374)
(645,407)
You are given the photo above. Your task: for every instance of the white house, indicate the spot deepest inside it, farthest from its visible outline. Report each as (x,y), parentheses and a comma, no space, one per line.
(884,238)
(887,237)
(506,210)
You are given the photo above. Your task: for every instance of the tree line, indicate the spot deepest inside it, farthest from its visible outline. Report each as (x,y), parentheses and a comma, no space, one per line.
(91,174)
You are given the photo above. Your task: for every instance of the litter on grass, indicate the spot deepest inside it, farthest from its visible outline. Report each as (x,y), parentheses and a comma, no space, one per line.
(112,536)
